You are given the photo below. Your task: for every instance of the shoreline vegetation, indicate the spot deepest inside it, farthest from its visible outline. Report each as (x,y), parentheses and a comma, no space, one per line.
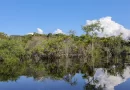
(61,56)
(38,47)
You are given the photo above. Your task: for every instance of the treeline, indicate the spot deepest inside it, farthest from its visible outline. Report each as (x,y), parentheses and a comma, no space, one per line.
(38,47)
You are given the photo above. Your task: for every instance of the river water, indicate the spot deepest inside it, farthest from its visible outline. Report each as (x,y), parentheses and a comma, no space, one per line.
(70,75)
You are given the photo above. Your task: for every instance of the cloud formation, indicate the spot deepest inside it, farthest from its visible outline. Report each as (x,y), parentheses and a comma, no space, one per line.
(39,31)
(111,28)
(58,31)
(30,33)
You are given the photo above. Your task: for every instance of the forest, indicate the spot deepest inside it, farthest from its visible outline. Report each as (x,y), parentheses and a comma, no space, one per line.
(61,56)
(40,47)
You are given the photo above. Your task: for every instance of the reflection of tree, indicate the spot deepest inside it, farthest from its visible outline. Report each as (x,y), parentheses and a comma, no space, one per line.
(69,78)
(91,84)
(13,72)
(116,70)
(92,87)
(64,69)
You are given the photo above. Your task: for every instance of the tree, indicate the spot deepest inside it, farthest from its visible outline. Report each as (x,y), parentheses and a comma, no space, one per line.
(91,30)
(3,35)
(49,35)
(72,32)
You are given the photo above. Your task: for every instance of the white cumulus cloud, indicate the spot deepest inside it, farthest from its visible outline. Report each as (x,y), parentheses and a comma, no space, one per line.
(30,33)
(39,31)
(58,31)
(111,28)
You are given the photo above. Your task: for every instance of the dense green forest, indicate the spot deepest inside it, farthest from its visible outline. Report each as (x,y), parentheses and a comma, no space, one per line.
(39,47)
(57,55)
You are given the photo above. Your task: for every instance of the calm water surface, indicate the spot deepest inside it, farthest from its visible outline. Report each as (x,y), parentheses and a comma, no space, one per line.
(70,75)
(76,82)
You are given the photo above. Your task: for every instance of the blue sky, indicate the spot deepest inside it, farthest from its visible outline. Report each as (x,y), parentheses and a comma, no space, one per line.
(25,16)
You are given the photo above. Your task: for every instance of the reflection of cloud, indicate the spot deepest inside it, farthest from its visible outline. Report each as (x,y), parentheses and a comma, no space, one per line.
(110,81)
(111,28)
(58,31)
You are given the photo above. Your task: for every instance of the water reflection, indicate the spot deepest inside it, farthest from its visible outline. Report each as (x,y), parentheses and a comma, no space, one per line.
(108,80)
(70,74)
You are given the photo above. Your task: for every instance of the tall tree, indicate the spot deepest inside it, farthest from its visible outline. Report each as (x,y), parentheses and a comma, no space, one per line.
(92,30)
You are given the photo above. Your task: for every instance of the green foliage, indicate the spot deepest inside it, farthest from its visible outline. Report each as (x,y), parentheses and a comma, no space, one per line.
(42,55)
(3,35)
(11,50)
(38,47)
(90,29)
